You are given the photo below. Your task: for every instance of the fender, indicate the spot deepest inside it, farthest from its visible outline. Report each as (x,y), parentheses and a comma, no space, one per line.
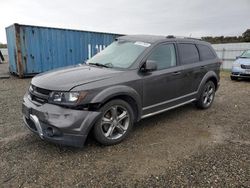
(117,90)
(208,75)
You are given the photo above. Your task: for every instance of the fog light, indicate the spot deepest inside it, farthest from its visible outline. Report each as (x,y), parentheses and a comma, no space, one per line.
(49,132)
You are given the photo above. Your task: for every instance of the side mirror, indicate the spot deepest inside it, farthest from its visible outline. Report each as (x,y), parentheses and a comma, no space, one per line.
(149,65)
(237,57)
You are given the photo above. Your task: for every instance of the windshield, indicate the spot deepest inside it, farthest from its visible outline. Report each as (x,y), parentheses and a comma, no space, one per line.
(119,54)
(246,54)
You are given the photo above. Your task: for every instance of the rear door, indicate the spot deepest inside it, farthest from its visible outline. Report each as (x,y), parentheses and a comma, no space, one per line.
(207,62)
(190,64)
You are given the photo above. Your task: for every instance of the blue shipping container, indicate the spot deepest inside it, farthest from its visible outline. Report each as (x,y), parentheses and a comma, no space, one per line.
(35,49)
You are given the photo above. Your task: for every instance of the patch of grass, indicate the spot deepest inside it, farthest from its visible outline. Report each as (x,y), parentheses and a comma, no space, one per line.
(225,73)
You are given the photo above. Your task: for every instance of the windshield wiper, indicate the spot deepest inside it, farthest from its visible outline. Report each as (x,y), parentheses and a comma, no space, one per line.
(99,65)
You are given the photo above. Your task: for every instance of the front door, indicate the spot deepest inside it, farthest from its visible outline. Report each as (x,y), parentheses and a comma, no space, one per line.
(160,86)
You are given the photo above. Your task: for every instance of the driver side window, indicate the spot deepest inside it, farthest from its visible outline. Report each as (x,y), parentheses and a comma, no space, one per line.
(164,55)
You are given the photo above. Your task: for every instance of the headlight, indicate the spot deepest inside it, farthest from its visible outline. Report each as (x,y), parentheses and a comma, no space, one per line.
(67,97)
(236,64)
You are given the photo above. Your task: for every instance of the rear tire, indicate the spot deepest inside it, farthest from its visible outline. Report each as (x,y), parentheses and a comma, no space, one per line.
(233,78)
(207,96)
(115,123)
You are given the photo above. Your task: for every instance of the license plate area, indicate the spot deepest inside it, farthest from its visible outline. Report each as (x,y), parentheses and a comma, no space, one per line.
(247,71)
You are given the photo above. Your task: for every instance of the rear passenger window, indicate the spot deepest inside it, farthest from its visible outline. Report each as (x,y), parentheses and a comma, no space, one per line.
(205,52)
(188,53)
(164,56)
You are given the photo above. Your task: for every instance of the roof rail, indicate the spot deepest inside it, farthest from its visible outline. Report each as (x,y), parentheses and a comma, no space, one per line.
(181,37)
(191,38)
(170,36)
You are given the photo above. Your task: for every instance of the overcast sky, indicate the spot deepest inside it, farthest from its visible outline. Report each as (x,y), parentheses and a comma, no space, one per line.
(163,17)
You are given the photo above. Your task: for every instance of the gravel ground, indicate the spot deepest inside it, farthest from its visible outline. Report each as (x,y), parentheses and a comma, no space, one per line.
(183,147)
(4,70)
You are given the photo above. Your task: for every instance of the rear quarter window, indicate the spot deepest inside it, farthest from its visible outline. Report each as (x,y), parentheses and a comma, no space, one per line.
(188,53)
(205,52)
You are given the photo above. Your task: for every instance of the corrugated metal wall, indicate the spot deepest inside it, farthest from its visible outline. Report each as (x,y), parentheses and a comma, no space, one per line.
(11,44)
(228,52)
(34,49)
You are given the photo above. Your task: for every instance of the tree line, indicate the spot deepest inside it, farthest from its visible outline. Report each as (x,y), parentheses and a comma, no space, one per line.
(245,37)
(3,45)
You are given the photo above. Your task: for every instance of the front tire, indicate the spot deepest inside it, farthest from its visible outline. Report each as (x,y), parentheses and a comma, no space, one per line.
(115,123)
(207,96)
(233,78)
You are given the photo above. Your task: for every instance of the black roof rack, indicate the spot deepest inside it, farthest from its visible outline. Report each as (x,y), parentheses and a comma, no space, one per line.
(170,36)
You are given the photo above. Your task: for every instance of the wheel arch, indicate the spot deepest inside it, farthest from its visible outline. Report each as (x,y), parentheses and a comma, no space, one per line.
(125,93)
(214,80)
(209,76)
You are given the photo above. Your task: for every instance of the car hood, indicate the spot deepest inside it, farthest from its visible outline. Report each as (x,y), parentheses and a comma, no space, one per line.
(244,61)
(64,79)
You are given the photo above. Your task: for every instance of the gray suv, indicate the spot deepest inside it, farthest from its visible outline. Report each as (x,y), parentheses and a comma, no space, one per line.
(135,77)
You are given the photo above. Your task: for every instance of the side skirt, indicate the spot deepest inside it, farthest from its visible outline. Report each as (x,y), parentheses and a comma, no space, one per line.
(166,109)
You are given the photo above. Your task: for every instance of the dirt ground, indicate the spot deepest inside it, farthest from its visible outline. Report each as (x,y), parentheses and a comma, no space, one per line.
(182,147)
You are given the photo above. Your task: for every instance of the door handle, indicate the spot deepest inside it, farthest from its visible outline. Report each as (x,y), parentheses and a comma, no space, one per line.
(177,73)
(203,67)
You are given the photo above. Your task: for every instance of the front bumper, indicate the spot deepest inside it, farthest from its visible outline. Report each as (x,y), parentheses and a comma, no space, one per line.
(240,75)
(238,72)
(57,124)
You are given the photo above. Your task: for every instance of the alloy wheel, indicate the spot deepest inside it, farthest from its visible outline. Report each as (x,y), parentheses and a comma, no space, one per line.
(115,122)
(208,95)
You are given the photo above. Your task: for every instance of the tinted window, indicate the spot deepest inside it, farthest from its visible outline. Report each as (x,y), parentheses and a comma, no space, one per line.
(205,52)
(246,54)
(188,53)
(164,56)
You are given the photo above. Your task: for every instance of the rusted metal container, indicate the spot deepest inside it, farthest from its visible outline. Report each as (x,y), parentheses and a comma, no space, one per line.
(35,49)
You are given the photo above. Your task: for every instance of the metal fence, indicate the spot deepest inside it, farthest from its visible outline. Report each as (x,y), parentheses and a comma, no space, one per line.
(228,52)
(5,54)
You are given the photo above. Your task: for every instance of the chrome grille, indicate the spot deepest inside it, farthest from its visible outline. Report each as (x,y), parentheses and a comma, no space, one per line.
(39,95)
(245,66)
